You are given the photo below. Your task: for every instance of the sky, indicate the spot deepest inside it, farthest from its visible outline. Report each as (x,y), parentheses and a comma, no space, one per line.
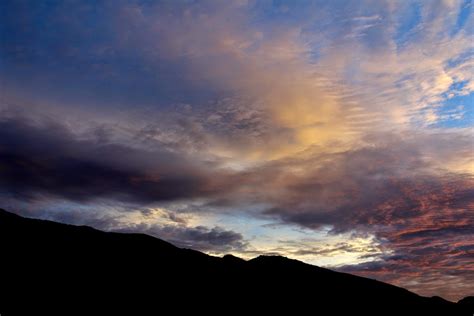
(339,133)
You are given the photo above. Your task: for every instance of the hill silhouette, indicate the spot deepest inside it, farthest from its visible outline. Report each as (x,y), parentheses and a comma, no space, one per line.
(50,267)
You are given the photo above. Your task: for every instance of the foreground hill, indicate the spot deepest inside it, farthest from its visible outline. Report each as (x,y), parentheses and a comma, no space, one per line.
(53,267)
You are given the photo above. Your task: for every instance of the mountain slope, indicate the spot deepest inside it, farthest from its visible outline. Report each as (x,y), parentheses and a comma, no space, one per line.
(47,264)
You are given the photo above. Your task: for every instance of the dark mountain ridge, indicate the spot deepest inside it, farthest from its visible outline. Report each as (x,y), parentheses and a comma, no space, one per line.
(49,267)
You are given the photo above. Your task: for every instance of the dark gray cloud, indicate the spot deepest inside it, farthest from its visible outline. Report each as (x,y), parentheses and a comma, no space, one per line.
(47,159)
(216,239)
(385,184)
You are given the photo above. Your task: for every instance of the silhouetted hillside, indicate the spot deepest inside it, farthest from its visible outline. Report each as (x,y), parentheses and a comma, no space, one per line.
(47,265)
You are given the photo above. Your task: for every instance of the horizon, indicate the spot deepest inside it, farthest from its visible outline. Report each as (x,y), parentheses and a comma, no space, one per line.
(337,133)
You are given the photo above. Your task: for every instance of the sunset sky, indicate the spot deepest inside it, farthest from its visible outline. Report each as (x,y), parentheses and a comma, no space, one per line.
(339,133)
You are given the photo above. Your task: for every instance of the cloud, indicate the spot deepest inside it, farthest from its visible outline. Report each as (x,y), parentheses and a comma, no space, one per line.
(428,258)
(369,18)
(178,229)
(212,240)
(362,186)
(46,159)
(297,80)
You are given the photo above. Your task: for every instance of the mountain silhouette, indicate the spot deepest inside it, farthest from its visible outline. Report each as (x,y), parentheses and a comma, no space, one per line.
(50,267)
